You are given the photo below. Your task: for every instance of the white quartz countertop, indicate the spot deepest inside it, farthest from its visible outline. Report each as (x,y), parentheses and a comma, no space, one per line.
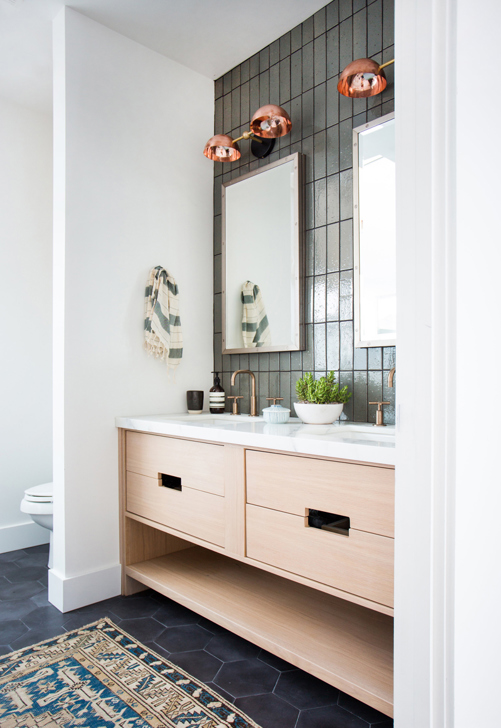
(345,440)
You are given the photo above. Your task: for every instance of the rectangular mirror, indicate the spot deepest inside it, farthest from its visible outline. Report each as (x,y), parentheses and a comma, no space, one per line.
(374,232)
(262,301)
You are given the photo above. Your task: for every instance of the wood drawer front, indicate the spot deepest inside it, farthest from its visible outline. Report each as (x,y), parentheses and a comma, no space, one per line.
(364,493)
(198,464)
(361,563)
(190,511)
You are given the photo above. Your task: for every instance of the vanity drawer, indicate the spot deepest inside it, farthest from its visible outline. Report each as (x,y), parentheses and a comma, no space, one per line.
(363,493)
(191,511)
(361,563)
(198,464)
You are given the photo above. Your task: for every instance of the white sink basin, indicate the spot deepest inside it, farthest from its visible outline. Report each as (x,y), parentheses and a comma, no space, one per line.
(215,419)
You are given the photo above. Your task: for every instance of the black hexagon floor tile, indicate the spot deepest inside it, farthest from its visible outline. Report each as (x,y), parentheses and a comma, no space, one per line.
(39,634)
(184,639)
(275,661)
(371,715)
(269,711)
(199,663)
(228,646)
(16,609)
(142,629)
(10,630)
(133,608)
(305,691)
(21,590)
(331,716)
(172,614)
(13,555)
(246,677)
(31,573)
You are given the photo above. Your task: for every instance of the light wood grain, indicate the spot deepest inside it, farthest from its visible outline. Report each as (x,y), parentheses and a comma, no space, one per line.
(234,475)
(193,512)
(361,563)
(344,644)
(363,493)
(333,591)
(198,464)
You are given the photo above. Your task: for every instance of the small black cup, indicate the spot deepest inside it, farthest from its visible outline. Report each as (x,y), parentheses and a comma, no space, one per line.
(195,401)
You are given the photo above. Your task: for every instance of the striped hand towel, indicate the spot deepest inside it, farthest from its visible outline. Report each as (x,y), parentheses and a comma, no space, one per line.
(162,325)
(255,328)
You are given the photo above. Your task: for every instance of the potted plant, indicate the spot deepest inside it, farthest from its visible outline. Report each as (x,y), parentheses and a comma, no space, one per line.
(320,400)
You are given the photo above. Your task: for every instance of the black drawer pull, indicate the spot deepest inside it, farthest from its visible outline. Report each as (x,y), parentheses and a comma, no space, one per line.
(332,522)
(170,481)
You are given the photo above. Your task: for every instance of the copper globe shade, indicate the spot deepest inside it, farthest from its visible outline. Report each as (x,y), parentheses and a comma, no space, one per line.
(362,78)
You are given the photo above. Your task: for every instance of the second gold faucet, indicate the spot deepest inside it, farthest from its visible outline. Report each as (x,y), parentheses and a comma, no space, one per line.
(253,400)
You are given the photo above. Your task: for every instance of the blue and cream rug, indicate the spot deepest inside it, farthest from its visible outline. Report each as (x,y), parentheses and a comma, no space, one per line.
(100,677)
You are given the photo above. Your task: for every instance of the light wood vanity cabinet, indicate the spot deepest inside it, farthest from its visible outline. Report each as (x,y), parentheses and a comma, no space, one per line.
(225,532)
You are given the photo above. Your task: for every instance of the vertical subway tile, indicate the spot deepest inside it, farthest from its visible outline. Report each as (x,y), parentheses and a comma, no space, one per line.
(310,252)
(296,360)
(307,113)
(319,299)
(360,396)
(346,341)
(346,194)
(333,247)
(227,83)
(254,65)
(374,28)
(285,46)
(218,115)
(332,53)
(274,390)
(285,361)
(333,198)
(274,362)
(218,88)
(345,144)
(345,9)
(320,250)
(254,94)
(375,386)
(388,107)
(346,295)
(235,77)
(295,375)
(264,88)
(319,157)
(235,108)
(243,362)
(274,52)
(389,357)
(227,113)
(285,389)
(360,358)
(320,202)
(346,380)
(307,30)
(360,34)
(320,67)
(346,246)
(234,362)
(275,85)
(217,194)
(296,68)
(264,362)
(254,362)
(388,23)
(332,337)
(388,396)
(309,206)
(264,59)
(333,297)
(359,112)
(345,43)
(218,362)
(375,357)
(319,110)
(244,71)
(296,39)
(308,151)
(359,4)
(308,67)
(319,23)
(320,348)
(244,103)
(263,390)
(332,14)
(217,274)
(345,108)
(308,299)
(217,234)
(332,102)
(308,353)
(226,364)
(285,80)
(332,144)
(296,118)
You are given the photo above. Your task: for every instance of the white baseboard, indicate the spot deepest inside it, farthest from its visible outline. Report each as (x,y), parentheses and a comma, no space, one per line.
(78,591)
(22,536)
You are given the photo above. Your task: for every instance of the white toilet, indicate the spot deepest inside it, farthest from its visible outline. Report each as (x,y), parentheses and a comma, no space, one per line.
(37,503)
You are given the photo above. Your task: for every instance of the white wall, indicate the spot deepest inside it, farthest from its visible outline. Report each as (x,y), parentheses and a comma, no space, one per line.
(25,317)
(132,190)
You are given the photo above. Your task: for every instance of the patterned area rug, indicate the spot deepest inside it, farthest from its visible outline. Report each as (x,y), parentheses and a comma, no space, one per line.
(100,677)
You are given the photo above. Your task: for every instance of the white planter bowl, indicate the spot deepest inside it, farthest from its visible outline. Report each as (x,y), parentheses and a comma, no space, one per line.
(318,414)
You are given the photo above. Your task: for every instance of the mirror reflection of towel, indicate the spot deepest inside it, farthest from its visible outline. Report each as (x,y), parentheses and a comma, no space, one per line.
(255,328)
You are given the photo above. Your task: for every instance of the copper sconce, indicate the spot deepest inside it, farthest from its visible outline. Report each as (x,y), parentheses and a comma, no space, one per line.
(268,123)
(362,78)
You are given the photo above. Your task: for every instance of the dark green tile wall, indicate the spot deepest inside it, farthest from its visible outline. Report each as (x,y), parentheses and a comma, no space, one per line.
(299,71)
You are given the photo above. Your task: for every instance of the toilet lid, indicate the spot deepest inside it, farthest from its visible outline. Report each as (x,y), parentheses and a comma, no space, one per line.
(39,493)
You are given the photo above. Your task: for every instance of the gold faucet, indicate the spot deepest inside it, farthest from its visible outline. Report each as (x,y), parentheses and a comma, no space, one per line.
(253,406)
(390,377)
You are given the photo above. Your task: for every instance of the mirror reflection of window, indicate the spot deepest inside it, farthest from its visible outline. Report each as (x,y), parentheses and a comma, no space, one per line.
(375,235)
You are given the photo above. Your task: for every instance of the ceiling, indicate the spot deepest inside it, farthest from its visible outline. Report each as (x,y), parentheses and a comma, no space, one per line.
(208,36)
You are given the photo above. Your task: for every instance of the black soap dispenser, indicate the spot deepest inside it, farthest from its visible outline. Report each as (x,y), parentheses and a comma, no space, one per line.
(216,397)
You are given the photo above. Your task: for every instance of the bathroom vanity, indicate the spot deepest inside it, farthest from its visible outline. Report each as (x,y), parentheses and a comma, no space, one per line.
(215,514)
